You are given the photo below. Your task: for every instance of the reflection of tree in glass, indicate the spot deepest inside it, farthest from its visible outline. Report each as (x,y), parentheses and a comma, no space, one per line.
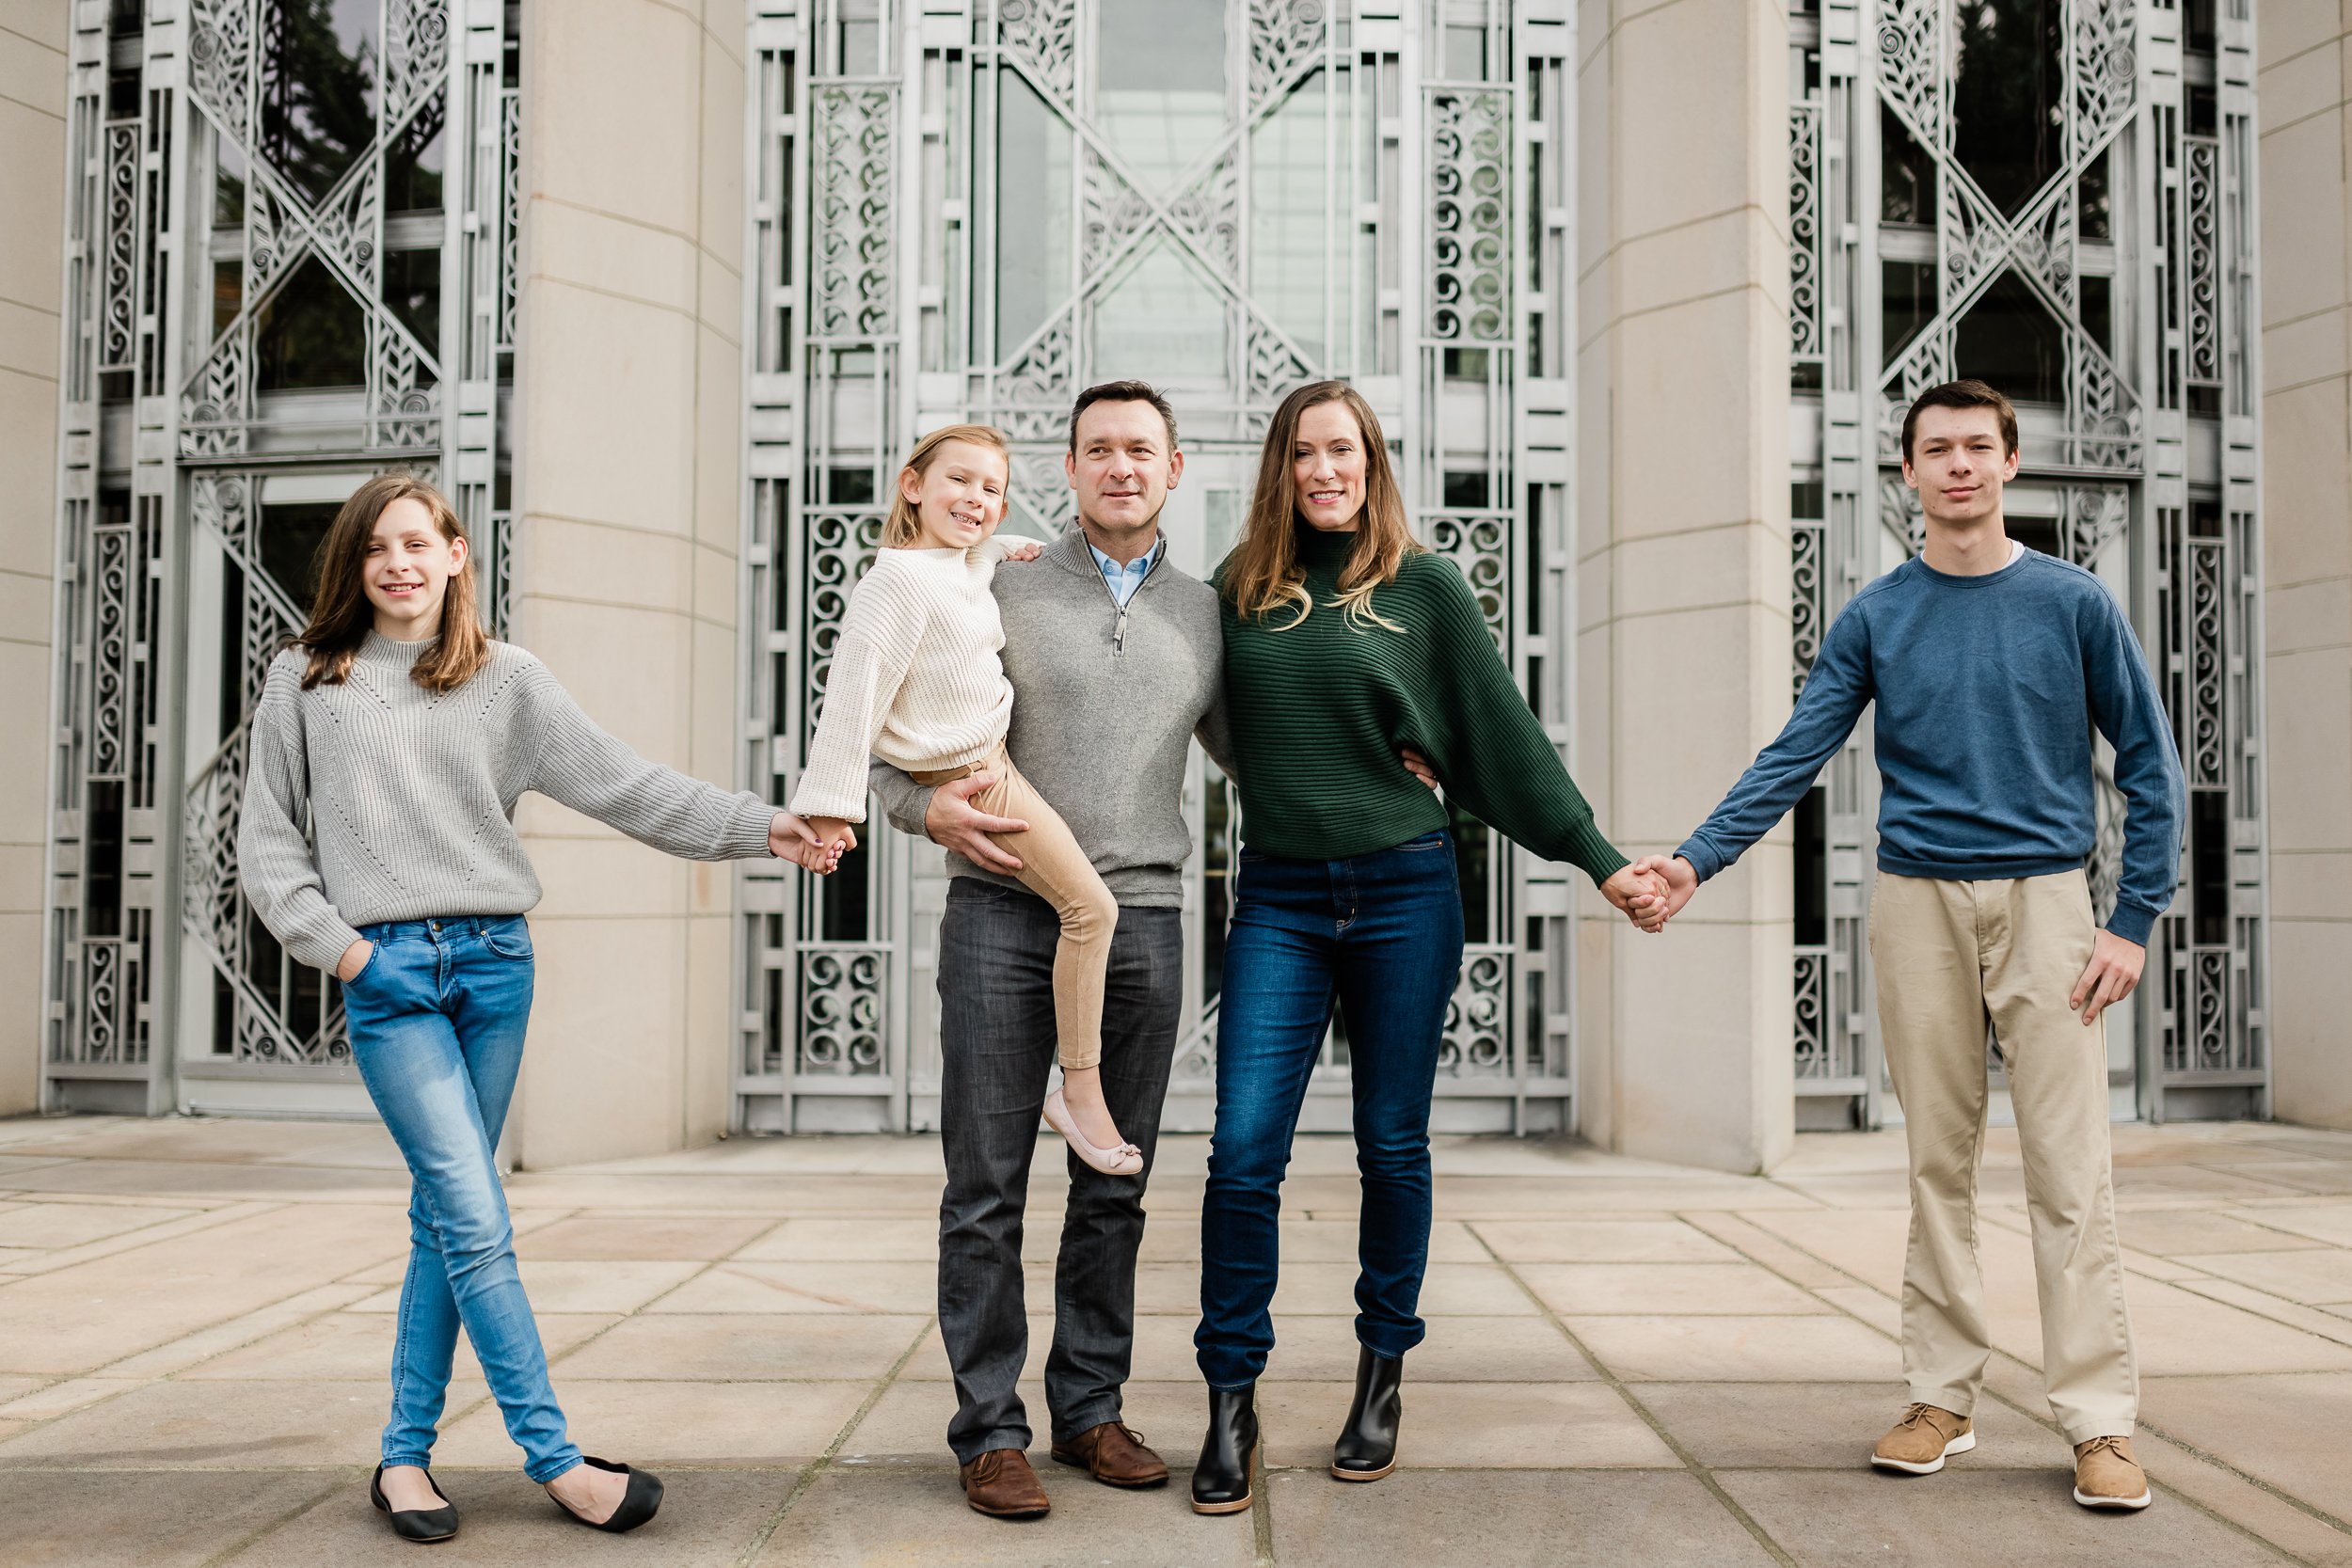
(2006,103)
(412,165)
(311,334)
(318,88)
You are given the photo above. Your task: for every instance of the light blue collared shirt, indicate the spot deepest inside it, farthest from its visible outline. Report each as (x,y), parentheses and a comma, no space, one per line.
(1123,580)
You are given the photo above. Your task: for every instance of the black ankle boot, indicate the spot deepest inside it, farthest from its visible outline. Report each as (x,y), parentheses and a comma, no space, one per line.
(1220,1481)
(1367,1447)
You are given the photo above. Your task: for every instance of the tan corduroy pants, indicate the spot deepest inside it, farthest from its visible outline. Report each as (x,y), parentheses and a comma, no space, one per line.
(1952,956)
(1057,870)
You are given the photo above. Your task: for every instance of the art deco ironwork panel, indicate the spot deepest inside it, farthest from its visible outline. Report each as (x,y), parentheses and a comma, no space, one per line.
(291,263)
(2056,195)
(975,209)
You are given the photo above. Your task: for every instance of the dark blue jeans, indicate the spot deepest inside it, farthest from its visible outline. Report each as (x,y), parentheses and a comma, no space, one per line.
(436,1017)
(1380,934)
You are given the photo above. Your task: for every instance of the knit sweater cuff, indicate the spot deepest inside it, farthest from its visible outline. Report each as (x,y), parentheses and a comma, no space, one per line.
(2133,923)
(323,942)
(1590,848)
(747,833)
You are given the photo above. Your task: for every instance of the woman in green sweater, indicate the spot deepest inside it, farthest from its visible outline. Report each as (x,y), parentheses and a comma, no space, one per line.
(1347,643)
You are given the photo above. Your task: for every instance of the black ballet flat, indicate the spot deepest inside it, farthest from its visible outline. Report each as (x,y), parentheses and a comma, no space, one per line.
(641,1503)
(422,1525)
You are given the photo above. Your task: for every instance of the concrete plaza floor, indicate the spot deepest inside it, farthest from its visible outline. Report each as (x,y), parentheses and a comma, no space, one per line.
(1627,1363)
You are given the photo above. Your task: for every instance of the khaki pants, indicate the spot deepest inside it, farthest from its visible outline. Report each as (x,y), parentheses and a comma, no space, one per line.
(1951,957)
(1057,870)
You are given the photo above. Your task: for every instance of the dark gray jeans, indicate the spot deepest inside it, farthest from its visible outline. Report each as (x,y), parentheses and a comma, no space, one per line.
(997,1045)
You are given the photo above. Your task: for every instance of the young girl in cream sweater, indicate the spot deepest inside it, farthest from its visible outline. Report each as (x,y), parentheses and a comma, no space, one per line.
(916,681)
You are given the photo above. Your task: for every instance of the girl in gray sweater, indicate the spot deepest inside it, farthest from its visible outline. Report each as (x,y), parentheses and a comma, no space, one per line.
(392,741)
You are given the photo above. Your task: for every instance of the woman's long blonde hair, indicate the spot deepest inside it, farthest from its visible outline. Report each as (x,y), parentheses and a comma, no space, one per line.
(341,614)
(905,524)
(1264,573)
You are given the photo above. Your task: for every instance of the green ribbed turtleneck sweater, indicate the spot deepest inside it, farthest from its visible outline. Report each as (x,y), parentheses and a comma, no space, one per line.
(1320,711)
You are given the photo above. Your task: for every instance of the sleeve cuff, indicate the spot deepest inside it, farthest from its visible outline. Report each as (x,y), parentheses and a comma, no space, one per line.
(1590,848)
(1702,857)
(2132,923)
(747,834)
(323,945)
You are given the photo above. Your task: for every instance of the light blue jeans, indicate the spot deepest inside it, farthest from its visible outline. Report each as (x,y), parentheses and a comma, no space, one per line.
(436,1018)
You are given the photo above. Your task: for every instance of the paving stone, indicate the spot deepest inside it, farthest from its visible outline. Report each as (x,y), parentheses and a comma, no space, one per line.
(2174,1232)
(2318,1276)
(86,1519)
(606,1286)
(909,1515)
(642,1237)
(1727,1349)
(2321,1222)
(707,1517)
(215,1426)
(909,1423)
(729,1347)
(1602,1242)
(1829,1425)
(1505,1519)
(65,1224)
(1977,1517)
(809,1286)
(1597,1289)
(2293,1430)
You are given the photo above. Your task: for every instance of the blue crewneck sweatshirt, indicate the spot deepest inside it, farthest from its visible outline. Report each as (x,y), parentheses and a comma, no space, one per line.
(1987,691)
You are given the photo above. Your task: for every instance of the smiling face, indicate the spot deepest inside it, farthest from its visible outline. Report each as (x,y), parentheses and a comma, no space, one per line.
(1122,465)
(1958,466)
(406,570)
(1327,468)
(960,499)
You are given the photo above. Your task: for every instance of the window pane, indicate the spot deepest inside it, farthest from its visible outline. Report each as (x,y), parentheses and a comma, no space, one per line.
(1909,304)
(290,536)
(1906,174)
(1293,205)
(412,287)
(318,87)
(311,334)
(1161,104)
(1161,322)
(413,164)
(2008,339)
(2008,98)
(1032,213)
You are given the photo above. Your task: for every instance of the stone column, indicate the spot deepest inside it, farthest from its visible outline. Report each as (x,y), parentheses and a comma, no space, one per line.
(32,241)
(1683,562)
(628,479)
(2305,293)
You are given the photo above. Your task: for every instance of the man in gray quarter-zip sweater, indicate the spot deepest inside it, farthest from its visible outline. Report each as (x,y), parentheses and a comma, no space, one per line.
(1117,662)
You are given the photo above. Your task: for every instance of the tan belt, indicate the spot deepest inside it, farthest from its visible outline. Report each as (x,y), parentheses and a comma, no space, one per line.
(949,775)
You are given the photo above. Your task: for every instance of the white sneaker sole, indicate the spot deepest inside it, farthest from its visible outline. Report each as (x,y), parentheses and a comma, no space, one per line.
(1960,1444)
(2088,1501)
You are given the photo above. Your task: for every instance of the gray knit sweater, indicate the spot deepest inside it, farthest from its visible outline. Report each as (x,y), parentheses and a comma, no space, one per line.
(1105,704)
(410,795)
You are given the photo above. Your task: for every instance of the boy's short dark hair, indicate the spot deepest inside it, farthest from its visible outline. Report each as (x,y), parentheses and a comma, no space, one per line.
(1969,394)
(1122,391)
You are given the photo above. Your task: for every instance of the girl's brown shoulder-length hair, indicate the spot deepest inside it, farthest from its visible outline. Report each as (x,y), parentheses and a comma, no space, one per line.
(340,615)
(1263,573)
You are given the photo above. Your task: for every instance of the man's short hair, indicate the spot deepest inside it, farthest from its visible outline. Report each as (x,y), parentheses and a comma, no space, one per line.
(1970,393)
(1122,391)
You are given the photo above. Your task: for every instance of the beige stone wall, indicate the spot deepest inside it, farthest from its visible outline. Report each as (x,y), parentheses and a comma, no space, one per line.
(2306,195)
(628,479)
(32,221)
(1683,560)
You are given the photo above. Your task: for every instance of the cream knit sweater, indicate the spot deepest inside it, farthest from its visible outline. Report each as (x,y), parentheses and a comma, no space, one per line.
(915,679)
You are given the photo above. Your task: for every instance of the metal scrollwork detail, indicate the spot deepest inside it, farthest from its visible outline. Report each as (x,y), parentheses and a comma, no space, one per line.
(1480,547)
(1470,249)
(1042,34)
(1808,600)
(850,168)
(1477,1038)
(842,1007)
(1805,231)
(841,546)
(1284,35)
(1817,1053)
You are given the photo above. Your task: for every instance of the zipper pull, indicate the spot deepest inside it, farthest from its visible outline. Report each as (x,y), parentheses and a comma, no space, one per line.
(1118,632)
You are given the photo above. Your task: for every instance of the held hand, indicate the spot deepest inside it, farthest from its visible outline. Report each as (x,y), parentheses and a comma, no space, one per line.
(1418,766)
(1640,894)
(954,822)
(787,834)
(1680,877)
(354,959)
(2110,976)
(834,839)
(1023,549)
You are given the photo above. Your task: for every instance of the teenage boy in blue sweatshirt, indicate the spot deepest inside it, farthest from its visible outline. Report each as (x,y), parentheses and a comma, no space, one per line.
(1990,664)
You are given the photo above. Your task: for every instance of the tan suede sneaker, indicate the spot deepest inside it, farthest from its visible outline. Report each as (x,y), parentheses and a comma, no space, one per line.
(2106,1474)
(1922,1438)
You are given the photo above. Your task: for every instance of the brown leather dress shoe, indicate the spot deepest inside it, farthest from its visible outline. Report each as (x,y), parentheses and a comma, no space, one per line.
(1113,1453)
(1000,1484)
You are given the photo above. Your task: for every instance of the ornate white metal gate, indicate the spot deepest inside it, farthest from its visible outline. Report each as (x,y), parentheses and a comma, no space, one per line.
(2056,195)
(976,208)
(289,265)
